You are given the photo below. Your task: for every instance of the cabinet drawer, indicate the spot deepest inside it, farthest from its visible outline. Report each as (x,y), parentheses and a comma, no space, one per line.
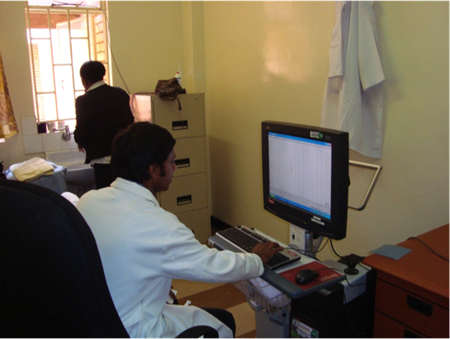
(187,122)
(199,222)
(411,310)
(385,327)
(190,156)
(186,193)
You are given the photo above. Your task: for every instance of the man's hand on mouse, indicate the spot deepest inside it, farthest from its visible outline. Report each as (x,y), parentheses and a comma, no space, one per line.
(267,250)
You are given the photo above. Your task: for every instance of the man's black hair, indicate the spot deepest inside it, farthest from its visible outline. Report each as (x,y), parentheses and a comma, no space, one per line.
(92,71)
(139,146)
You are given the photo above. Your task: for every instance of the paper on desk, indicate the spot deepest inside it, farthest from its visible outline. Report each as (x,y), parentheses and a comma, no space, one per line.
(391,251)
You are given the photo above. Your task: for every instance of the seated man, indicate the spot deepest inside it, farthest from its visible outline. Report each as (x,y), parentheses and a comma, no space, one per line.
(143,247)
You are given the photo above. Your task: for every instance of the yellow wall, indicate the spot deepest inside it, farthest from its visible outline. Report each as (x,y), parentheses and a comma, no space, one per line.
(269,60)
(147,42)
(14,51)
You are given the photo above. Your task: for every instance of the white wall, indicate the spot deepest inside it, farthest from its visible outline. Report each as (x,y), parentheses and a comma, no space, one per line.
(269,60)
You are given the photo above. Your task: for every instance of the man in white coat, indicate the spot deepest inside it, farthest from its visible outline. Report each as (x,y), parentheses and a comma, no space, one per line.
(143,247)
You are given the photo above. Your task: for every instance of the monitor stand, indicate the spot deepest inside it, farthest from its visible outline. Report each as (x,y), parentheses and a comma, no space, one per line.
(304,240)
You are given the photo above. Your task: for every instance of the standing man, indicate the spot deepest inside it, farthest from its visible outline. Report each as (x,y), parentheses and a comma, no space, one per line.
(101,112)
(143,247)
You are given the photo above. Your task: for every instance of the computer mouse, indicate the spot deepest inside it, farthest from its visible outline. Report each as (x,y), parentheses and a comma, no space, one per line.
(305,276)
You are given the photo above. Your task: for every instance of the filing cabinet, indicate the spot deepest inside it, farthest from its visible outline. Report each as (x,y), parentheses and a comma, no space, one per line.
(188,195)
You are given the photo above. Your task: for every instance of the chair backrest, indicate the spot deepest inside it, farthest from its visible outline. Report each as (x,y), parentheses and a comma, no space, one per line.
(52,282)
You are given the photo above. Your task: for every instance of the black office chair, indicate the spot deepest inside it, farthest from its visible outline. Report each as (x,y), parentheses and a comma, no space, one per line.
(52,282)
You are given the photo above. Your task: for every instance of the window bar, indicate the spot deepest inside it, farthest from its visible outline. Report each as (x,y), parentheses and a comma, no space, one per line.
(51,58)
(88,31)
(104,8)
(31,53)
(71,55)
(53,61)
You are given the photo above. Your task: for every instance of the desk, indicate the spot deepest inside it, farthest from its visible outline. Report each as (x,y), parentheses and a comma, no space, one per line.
(272,277)
(316,309)
(411,294)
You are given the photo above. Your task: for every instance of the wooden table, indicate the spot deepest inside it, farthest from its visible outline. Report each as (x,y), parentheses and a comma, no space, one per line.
(411,294)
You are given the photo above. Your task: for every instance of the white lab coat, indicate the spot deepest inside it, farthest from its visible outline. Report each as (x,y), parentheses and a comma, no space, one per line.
(353,99)
(143,248)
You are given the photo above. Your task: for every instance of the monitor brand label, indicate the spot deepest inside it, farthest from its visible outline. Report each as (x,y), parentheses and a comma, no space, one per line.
(316,135)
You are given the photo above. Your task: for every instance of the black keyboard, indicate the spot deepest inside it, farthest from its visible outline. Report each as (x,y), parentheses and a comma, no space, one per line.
(245,239)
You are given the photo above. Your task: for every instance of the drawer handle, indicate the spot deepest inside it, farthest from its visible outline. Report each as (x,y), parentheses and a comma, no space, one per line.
(181,163)
(419,306)
(409,334)
(181,124)
(184,200)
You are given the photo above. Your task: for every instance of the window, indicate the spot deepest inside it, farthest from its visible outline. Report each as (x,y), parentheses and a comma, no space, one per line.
(61,37)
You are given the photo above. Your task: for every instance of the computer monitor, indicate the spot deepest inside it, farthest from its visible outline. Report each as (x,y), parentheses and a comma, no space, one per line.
(306,176)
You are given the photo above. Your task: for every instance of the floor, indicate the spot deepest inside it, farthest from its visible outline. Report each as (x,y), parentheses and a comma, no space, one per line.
(221,296)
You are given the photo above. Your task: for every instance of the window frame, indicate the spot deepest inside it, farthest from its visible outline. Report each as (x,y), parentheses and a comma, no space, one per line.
(90,13)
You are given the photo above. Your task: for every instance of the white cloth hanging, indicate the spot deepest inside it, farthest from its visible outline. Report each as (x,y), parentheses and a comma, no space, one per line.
(353,99)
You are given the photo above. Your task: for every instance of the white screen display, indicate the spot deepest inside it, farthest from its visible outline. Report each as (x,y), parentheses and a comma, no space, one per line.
(300,173)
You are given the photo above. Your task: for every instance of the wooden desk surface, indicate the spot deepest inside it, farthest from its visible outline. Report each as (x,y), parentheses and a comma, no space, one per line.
(420,271)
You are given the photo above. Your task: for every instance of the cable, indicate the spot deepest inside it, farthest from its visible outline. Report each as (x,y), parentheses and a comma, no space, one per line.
(434,252)
(332,247)
(326,242)
(112,54)
(295,247)
(356,285)
(366,268)
(115,63)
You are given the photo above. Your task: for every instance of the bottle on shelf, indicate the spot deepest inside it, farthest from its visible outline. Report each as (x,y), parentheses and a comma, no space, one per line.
(178,76)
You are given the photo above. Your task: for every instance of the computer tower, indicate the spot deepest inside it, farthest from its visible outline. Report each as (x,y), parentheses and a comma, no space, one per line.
(326,314)
(271,325)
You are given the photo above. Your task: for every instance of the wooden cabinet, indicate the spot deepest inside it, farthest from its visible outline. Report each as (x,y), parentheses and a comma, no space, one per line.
(188,195)
(411,294)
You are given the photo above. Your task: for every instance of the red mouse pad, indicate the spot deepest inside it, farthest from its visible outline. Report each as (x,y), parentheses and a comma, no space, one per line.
(325,274)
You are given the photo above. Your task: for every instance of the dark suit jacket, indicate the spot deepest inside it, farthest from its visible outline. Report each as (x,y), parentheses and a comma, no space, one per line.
(101,113)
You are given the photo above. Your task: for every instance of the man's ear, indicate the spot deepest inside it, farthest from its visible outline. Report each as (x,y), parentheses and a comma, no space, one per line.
(154,170)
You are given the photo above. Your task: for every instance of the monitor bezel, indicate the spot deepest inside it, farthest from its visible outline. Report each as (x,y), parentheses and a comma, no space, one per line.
(336,226)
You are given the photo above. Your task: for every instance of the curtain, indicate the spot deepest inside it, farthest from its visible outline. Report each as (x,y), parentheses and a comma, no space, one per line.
(7,120)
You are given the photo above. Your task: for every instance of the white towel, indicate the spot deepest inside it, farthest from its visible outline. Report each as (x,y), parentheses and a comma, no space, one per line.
(353,99)
(31,169)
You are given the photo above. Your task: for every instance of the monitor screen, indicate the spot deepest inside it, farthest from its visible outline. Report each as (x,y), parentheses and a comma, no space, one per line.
(305,176)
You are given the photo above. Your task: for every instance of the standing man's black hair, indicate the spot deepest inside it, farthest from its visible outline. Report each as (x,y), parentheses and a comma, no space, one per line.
(92,71)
